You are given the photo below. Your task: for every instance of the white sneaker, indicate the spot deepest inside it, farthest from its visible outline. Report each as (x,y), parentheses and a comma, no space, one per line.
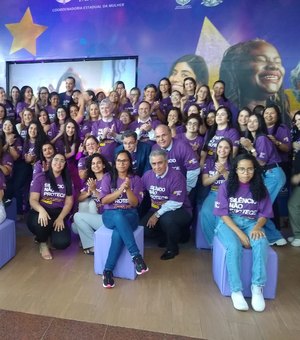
(281,242)
(296,242)
(291,239)
(257,301)
(239,301)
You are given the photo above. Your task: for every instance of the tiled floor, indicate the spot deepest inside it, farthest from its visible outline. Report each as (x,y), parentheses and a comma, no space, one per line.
(15,325)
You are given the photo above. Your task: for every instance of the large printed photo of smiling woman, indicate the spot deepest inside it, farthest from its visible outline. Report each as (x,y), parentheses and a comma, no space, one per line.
(253,74)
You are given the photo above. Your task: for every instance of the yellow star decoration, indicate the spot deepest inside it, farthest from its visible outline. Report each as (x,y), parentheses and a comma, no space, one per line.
(25,33)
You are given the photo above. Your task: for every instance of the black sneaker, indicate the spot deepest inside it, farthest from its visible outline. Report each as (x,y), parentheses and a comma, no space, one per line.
(140,265)
(108,281)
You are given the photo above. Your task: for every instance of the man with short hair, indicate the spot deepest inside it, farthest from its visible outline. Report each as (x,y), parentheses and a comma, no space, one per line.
(170,214)
(144,126)
(65,97)
(181,156)
(139,152)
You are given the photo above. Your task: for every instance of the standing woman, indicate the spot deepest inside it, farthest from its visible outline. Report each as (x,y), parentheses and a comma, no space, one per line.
(2,116)
(215,172)
(242,125)
(163,95)
(43,98)
(44,120)
(57,128)
(242,226)
(192,135)
(121,192)
(176,99)
(27,100)
(86,223)
(261,147)
(10,111)
(14,96)
(174,120)
(189,87)
(52,107)
(280,136)
(51,201)
(92,116)
(222,128)
(71,141)
(27,116)
(13,145)
(296,133)
(107,130)
(204,100)
(150,93)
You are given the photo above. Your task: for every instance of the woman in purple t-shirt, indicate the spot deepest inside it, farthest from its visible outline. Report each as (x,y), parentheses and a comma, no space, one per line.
(261,147)
(51,201)
(243,205)
(121,192)
(215,172)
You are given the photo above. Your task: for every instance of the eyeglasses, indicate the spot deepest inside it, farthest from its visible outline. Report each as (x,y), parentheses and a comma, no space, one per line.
(58,160)
(243,170)
(122,161)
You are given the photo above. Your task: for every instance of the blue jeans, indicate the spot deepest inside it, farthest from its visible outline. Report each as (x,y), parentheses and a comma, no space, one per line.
(208,220)
(234,250)
(274,180)
(123,222)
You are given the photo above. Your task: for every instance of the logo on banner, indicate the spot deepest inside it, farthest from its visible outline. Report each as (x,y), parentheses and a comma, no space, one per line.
(211,3)
(63,1)
(183,2)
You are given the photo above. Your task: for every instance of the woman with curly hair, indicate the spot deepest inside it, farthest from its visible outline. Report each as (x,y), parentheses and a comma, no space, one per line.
(253,73)
(243,205)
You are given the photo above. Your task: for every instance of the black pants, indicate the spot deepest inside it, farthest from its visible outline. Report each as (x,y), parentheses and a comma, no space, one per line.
(59,239)
(173,226)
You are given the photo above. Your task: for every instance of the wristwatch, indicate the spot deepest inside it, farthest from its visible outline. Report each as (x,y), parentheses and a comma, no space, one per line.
(252,150)
(157,215)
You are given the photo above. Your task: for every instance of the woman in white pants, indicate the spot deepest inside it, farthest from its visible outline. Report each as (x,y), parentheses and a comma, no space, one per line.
(85,223)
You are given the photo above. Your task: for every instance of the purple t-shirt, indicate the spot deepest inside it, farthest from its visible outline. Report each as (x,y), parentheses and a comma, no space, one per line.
(283,135)
(20,107)
(122,201)
(196,143)
(171,187)
(107,146)
(144,135)
(242,203)
(266,150)
(132,108)
(51,112)
(28,148)
(85,128)
(48,197)
(230,133)
(210,170)
(165,105)
(181,156)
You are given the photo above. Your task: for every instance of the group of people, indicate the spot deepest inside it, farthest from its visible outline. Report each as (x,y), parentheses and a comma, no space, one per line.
(158,159)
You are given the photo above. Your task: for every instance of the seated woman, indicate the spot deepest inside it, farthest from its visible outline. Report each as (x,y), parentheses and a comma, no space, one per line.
(121,192)
(215,172)
(51,201)
(243,205)
(261,147)
(85,223)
